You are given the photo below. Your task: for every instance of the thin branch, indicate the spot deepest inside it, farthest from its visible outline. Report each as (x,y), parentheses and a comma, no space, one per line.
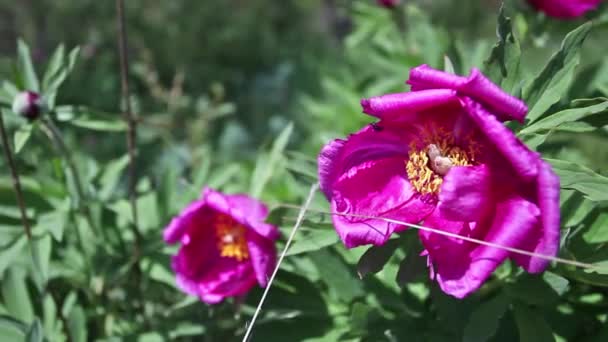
(15,176)
(129,118)
(303,209)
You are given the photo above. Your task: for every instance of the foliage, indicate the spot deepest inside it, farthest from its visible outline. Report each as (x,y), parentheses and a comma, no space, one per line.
(215,100)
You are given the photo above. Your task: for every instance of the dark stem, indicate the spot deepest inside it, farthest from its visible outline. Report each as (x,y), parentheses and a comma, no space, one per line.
(16,183)
(130,119)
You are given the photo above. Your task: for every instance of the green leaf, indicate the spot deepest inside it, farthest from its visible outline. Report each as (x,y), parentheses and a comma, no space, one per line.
(54,223)
(11,252)
(111,176)
(35,333)
(312,240)
(553,81)
(485,319)
(16,297)
(30,80)
(337,275)
(265,167)
(54,66)
(410,268)
(72,58)
(374,259)
(12,326)
(598,229)
(531,325)
(22,135)
(41,253)
(558,283)
(533,290)
(577,177)
(502,66)
(566,116)
(77,325)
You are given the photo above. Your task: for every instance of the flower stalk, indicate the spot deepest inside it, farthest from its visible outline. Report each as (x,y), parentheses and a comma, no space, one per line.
(131,122)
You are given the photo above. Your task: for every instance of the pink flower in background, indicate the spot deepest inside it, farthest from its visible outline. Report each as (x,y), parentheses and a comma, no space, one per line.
(226,248)
(388,3)
(441,155)
(565,9)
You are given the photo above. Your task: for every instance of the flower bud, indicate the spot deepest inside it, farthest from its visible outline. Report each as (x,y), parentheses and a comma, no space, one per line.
(28,104)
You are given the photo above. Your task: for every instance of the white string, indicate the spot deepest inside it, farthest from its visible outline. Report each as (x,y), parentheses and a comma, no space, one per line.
(303,209)
(464,238)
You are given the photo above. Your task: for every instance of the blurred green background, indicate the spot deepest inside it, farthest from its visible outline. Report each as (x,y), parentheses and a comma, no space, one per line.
(215,86)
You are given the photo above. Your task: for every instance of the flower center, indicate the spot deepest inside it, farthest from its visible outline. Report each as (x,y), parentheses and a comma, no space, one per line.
(231,240)
(427,166)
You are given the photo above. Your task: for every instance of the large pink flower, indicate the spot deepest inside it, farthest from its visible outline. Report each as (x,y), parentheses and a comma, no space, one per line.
(226,248)
(565,9)
(441,155)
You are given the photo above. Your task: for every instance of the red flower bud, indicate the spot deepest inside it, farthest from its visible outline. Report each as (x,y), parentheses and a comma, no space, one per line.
(28,104)
(388,3)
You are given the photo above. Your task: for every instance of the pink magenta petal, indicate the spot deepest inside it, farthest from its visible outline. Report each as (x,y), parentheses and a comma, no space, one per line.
(425,77)
(338,156)
(466,193)
(483,90)
(460,270)
(180,224)
(523,161)
(263,257)
(476,86)
(403,106)
(375,188)
(565,9)
(545,239)
(247,211)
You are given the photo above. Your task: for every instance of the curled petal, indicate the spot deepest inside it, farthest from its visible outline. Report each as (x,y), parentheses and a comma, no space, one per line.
(375,188)
(476,86)
(462,270)
(402,106)
(545,239)
(466,193)
(523,161)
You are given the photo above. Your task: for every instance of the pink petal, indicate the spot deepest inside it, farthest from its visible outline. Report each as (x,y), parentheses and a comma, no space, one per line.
(246,210)
(476,86)
(403,106)
(263,256)
(181,223)
(466,193)
(375,188)
(462,268)
(523,161)
(545,239)
(340,155)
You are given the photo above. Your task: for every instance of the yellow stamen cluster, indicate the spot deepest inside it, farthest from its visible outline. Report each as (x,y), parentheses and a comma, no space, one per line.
(231,241)
(420,171)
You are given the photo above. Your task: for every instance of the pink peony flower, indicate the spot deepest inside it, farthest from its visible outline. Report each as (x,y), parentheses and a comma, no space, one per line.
(565,9)
(388,3)
(441,155)
(226,248)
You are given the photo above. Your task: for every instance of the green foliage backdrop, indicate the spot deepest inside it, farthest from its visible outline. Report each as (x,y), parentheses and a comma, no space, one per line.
(240,96)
